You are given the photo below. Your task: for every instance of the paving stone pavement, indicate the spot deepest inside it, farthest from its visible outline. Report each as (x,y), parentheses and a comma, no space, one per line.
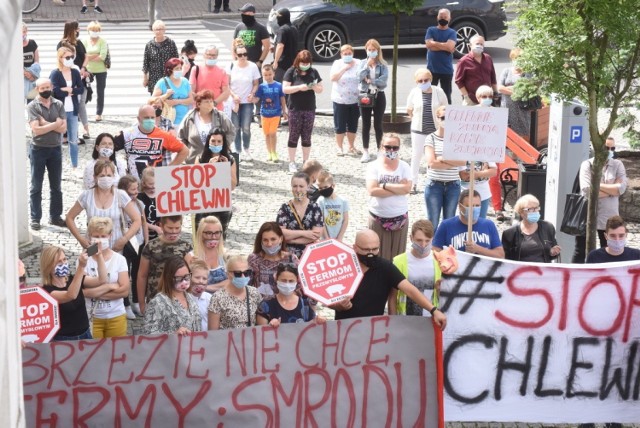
(263,187)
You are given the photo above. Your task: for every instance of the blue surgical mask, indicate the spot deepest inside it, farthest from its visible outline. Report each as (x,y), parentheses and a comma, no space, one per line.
(421,251)
(177,74)
(372,54)
(211,62)
(610,155)
(215,149)
(241,282)
(533,217)
(286,288)
(486,102)
(272,250)
(347,58)
(424,86)
(476,212)
(148,124)
(478,49)
(62,270)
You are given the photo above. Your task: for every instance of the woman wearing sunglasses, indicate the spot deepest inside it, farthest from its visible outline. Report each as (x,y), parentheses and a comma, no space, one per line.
(173,309)
(442,188)
(209,247)
(235,305)
(388,183)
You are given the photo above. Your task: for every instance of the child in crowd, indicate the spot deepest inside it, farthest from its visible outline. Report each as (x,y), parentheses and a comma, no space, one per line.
(312,168)
(199,275)
(335,209)
(272,106)
(147,196)
(287,306)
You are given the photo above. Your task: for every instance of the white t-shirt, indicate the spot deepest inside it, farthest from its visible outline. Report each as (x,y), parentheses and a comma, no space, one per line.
(68,101)
(391,206)
(107,309)
(203,307)
(421,274)
(241,80)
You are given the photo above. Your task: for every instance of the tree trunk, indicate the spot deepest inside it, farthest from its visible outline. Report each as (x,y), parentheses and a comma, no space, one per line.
(396,39)
(599,160)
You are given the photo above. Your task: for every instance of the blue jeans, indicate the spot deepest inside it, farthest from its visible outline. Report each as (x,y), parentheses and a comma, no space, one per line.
(484,207)
(49,158)
(72,137)
(85,335)
(242,121)
(441,196)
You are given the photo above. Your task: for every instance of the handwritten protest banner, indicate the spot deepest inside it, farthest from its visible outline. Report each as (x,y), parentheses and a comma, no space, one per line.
(541,343)
(190,189)
(475,134)
(380,371)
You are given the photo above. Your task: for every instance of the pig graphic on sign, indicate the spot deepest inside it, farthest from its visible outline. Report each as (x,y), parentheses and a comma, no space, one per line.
(335,289)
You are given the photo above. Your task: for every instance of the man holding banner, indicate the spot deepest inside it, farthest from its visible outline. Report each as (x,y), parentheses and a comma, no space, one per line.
(484,240)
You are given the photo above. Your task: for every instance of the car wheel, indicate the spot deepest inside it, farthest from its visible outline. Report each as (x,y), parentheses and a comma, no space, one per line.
(465,31)
(324,42)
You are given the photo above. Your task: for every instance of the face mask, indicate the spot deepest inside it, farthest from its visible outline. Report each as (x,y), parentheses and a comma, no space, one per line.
(299,196)
(94,34)
(610,155)
(304,67)
(326,192)
(391,155)
(210,62)
(486,102)
(182,285)
(272,250)
(286,288)
(215,149)
(158,112)
(476,212)
(372,54)
(148,125)
(616,245)
(281,20)
(104,242)
(105,152)
(211,243)
(369,260)
(171,236)
(62,270)
(533,217)
(77,33)
(478,49)
(421,251)
(424,86)
(177,74)
(347,58)
(45,94)
(105,182)
(241,282)
(68,63)
(248,20)
(443,22)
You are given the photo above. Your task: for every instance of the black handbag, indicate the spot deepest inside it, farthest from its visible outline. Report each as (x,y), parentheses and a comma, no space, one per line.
(367,99)
(574,220)
(531,104)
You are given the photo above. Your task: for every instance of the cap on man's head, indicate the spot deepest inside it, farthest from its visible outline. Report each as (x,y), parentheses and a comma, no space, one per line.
(248,7)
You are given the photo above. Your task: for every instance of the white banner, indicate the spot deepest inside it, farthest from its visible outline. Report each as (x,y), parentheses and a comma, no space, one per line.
(475,134)
(542,343)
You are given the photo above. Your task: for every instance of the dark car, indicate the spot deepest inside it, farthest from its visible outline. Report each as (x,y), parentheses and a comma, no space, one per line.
(324,26)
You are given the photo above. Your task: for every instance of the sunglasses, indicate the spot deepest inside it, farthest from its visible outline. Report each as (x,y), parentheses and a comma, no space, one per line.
(181,279)
(441,118)
(240,55)
(69,57)
(391,148)
(241,273)
(209,234)
(611,149)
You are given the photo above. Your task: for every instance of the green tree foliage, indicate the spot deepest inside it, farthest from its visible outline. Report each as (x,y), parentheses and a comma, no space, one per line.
(395,8)
(589,50)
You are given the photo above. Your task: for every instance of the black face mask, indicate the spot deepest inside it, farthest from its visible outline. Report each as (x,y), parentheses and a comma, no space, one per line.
(326,192)
(281,20)
(158,112)
(248,20)
(45,94)
(443,22)
(369,260)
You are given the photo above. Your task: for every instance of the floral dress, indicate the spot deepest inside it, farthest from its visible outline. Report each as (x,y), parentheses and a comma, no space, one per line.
(519,119)
(287,218)
(155,55)
(166,315)
(233,311)
(264,271)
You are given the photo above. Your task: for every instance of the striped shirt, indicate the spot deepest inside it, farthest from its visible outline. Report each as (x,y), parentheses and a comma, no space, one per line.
(449,174)
(427,116)
(114,212)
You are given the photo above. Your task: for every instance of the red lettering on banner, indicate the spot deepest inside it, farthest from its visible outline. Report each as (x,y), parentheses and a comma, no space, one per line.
(265,350)
(122,403)
(55,364)
(372,341)
(309,407)
(122,359)
(296,392)
(52,419)
(585,295)
(98,344)
(351,395)
(201,352)
(184,411)
(367,370)
(633,301)
(301,336)
(30,363)
(244,407)
(346,339)
(524,292)
(80,420)
(161,340)
(176,365)
(242,359)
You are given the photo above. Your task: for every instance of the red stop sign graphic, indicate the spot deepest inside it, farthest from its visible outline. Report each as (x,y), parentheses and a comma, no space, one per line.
(329,271)
(39,315)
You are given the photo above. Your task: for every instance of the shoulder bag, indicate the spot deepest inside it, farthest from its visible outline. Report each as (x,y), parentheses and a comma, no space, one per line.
(574,219)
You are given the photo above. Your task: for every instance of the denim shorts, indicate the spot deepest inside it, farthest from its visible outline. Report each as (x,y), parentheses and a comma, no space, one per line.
(345,118)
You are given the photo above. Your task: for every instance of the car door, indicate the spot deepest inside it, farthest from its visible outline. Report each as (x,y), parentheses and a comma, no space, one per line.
(377,26)
(426,16)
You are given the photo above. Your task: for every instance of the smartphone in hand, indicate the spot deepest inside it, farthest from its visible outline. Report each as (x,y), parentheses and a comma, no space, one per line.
(92,250)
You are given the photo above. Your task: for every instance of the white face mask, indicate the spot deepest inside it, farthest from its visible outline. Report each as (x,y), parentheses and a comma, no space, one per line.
(68,62)
(94,34)
(286,288)
(105,182)
(106,152)
(104,242)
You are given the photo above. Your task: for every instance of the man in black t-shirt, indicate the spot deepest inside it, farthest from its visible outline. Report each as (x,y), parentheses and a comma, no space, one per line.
(286,44)
(254,35)
(616,250)
(380,278)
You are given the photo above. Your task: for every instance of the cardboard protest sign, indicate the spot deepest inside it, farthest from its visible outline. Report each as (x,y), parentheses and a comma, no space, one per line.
(39,315)
(190,189)
(475,134)
(379,371)
(541,343)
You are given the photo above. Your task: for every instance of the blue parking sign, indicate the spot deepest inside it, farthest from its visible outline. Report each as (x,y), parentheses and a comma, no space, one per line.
(576,134)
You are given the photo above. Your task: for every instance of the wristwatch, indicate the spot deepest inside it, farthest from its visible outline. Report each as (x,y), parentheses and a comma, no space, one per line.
(433,310)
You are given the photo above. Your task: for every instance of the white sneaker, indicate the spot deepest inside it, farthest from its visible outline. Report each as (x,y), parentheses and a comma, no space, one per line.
(130,314)
(247,154)
(365,157)
(293,168)
(135,307)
